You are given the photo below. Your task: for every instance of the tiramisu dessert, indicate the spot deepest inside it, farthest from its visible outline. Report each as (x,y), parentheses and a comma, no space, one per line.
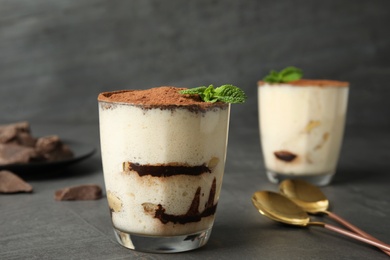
(302,124)
(163,157)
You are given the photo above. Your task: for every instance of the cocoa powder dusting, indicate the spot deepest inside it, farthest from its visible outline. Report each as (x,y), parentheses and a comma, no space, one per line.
(165,97)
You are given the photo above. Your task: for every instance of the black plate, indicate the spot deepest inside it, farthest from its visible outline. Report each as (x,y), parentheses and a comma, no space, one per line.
(80,150)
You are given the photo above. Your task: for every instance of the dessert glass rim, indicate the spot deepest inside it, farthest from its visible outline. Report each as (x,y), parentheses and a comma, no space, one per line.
(195,106)
(307,83)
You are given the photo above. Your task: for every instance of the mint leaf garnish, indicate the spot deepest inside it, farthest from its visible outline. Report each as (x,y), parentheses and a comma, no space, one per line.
(193,91)
(286,75)
(224,93)
(230,94)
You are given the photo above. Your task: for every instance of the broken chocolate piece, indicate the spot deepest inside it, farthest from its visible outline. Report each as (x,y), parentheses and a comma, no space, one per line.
(12,153)
(285,156)
(17,145)
(52,148)
(17,133)
(7,134)
(11,183)
(26,139)
(82,192)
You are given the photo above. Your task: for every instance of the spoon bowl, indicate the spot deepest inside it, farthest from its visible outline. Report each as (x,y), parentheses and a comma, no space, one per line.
(279,208)
(305,195)
(311,199)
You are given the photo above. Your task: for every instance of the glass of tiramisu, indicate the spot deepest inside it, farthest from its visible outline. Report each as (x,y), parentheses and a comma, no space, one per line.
(301,128)
(163,155)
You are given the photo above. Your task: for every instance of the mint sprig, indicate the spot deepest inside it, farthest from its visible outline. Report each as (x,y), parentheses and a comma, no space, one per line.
(225,93)
(286,75)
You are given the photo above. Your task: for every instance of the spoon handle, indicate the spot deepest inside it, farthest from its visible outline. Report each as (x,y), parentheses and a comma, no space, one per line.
(380,245)
(354,228)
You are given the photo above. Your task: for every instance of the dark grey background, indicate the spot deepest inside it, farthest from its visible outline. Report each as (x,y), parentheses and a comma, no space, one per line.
(56,56)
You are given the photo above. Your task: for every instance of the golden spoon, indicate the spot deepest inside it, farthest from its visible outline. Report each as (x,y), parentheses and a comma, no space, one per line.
(312,200)
(281,209)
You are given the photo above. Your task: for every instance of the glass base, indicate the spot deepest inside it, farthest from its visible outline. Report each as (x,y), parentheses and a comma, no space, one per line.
(319,180)
(168,244)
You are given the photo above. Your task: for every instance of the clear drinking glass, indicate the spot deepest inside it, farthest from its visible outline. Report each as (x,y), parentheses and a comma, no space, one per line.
(163,167)
(301,128)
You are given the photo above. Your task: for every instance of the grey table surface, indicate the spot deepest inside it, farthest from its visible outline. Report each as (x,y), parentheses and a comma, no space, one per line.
(35,226)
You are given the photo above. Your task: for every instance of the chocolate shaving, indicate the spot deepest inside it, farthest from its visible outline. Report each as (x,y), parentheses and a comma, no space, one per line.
(82,192)
(285,156)
(11,183)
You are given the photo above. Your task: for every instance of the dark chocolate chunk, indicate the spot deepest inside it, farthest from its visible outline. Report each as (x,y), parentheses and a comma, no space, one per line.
(285,156)
(17,133)
(47,149)
(17,145)
(11,183)
(82,192)
(26,139)
(12,153)
(53,149)
(7,134)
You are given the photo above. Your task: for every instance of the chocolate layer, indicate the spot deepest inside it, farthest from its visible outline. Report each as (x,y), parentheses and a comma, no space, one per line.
(193,214)
(166,170)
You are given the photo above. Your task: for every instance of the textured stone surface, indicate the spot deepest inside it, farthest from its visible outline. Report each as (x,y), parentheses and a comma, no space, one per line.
(37,227)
